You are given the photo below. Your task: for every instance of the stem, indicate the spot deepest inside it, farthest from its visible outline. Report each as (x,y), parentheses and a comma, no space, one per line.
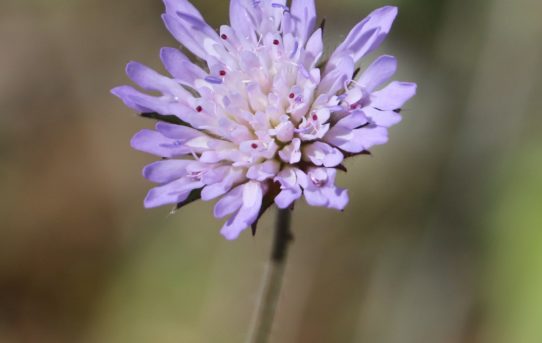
(272,282)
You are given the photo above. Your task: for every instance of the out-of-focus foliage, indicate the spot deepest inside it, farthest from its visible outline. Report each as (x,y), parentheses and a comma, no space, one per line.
(441,241)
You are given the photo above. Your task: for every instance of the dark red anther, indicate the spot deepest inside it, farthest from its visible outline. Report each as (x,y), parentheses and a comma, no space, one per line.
(276,42)
(199,109)
(224,36)
(254,146)
(291,96)
(222,73)
(314,117)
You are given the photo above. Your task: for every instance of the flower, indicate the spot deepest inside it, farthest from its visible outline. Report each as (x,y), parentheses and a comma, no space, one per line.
(264,120)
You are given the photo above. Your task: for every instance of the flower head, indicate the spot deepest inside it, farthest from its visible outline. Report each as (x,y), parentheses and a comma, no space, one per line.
(263,120)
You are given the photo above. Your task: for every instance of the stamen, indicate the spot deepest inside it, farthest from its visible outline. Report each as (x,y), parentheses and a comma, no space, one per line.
(222,73)
(213,79)
(224,36)
(199,109)
(276,42)
(291,96)
(314,117)
(254,146)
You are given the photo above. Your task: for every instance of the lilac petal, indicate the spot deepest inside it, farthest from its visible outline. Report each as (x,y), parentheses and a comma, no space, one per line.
(304,13)
(355,141)
(321,154)
(241,21)
(179,132)
(287,196)
(229,203)
(337,198)
(191,32)
(180,67)
(341,70)
(368,34)
(314,197)
(263,171)
(378,72)
(234,176)
(314,49)
(155,143)
(130,96)
(146,103)
(367,137)
(171,193)
(352,121)
(382,118)
(182,6)
(151,80)
(247,214)
(394,96)
(166,170)
(290,153)
(287,177)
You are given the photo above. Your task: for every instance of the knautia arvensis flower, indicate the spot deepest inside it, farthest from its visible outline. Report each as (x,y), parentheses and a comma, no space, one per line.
(257,116)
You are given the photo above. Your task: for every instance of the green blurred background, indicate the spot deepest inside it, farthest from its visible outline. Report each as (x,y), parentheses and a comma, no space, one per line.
(441,243)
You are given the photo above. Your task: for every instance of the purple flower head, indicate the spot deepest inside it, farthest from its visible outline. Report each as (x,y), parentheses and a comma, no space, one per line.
(263,122)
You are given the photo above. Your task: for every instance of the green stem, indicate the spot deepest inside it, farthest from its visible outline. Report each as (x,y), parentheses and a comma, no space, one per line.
(272,282)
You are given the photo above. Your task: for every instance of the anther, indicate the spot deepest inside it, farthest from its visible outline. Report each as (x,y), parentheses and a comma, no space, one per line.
(276,42)
(291,96)
(224,36)
(222,73)
(254,146)
(199,109)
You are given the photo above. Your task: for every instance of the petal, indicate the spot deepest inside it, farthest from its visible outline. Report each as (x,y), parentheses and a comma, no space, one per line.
(353,120)
(155,143)
(179,132)
(380,71)
(394,96)
(229,203)
(321,154)
(368,34)
(287,177)
(304,14)
(234,176)
(382,118)
(166,170)
(263,171)
(171,193)
(242,22)
(367,137)
(337,198)
(192,32)
(341,70)
(287,196)
(355,141)
(247,214)
(180,67)
(314,49)
(314,197)
(291,153)
(146,103)
(151,80)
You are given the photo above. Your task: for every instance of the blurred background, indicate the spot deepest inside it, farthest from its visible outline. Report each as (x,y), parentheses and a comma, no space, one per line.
(441,243)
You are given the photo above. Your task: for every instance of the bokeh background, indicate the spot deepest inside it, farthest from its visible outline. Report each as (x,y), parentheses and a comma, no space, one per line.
(442,241)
